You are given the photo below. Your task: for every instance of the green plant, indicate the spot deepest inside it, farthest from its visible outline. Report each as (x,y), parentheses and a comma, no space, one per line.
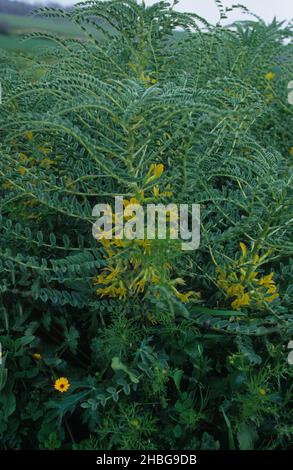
(92,119)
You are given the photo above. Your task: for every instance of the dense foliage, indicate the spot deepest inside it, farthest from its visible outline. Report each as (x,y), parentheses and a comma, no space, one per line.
(153,347)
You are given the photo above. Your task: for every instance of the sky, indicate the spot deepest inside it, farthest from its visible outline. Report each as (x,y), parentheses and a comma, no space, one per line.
(267,9)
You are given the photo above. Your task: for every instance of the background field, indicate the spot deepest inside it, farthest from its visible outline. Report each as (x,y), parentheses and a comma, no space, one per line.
(18,26)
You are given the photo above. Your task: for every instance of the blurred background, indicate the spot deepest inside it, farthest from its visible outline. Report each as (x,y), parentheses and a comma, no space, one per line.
(16,20)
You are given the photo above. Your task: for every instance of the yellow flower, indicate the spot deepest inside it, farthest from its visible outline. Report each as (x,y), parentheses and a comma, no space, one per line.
(269,284)
(272,297)
(243,249)
(159,169)
(253,275)
(121,292)
(23,157)
(186,296)
(272,289)
(241,302)
(155,172)
(167,192)
(112,291)
(155,279)
(236,290)
(44,149)
(47,162)
(152,80)
(132,66)
(156,191)
(262,391)
(179,281)
(291,151)
(22,170)
(101,279)
(152,319)
(7,185)
(270,76)
(148,79)
(31,202)
(62,384)
(107,278)
(146,245)
(222,279)
(133,200)
(119,243)
(29,135)
(266,281)
(139,286)
(37,356)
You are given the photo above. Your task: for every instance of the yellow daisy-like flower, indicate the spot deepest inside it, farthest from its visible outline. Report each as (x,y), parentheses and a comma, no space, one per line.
(62,384)
(262,391)
(270,76)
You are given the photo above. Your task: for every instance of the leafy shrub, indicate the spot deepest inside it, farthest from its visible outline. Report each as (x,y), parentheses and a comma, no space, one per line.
(144,346)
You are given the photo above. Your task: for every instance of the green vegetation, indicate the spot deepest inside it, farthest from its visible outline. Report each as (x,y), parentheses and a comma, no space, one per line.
(30,23)
(118,344)
(18,26)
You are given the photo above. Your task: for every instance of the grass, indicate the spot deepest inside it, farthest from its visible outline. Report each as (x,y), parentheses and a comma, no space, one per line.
(13,43)
(23,25)
(27,24)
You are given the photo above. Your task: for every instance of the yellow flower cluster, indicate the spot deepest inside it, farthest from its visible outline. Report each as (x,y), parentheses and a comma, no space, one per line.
(113,285)
(135,266)
(146,77)
(244,284)
(27,162)
(154,173)
(129,276)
